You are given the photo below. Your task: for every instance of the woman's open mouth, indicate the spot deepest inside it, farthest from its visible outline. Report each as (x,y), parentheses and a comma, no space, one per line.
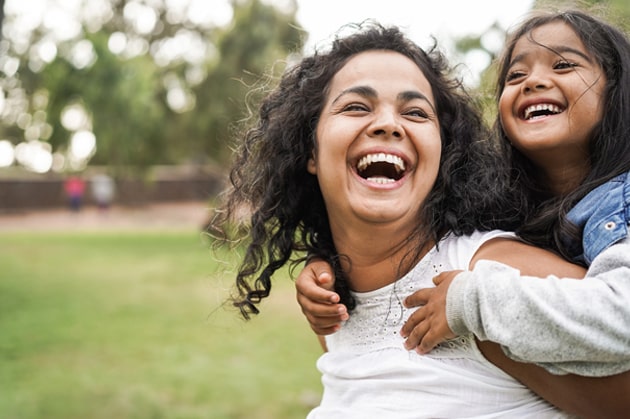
(381,168)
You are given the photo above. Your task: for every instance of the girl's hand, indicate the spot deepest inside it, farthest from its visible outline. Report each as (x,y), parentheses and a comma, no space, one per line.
(320,304)
(427,326)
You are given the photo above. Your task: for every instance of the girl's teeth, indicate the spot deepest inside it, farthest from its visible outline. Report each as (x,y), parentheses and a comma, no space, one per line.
(541,107)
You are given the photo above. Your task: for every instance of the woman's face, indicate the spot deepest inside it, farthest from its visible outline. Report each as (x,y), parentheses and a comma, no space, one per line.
(552,98)
(378,142)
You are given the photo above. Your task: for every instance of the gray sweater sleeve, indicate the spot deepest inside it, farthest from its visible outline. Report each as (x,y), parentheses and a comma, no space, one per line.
(564,325)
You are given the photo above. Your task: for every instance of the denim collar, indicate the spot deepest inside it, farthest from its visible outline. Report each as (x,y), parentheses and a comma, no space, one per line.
(602,216)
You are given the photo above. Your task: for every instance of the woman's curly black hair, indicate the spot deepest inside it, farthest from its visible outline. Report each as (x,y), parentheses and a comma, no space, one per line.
(609,147)
(269,177)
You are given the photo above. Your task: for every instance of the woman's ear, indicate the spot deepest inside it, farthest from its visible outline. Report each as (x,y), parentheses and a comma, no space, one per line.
(311,166)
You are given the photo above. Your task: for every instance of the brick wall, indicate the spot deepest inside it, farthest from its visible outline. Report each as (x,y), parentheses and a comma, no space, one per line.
(47,191)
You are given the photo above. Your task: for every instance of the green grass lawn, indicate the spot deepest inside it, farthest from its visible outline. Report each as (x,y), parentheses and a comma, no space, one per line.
(131,325)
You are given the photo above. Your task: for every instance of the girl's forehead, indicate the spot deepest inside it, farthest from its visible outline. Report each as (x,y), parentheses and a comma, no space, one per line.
(556,38)
(550,34)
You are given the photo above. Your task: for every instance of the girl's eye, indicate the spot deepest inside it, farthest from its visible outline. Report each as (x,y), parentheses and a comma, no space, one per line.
(513,75)
(562,65)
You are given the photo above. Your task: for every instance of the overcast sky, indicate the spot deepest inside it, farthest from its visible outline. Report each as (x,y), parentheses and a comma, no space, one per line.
(420,17)
(444,19)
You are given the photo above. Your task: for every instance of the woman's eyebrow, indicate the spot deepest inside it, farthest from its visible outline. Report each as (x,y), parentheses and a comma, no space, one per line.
(414,94)
(365,91)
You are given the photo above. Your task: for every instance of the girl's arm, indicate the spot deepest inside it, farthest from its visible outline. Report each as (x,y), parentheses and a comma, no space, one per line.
(586,397)
(558,317)
(564,325)
(598,320)
(440,317)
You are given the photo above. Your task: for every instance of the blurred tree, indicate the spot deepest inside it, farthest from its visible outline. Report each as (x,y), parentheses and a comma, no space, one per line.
(258,37)
(1,14)
(150,82)
(616,12)
(122,103)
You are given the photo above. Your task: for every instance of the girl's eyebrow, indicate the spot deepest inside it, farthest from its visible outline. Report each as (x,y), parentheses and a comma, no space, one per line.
(558,50)
(369,92)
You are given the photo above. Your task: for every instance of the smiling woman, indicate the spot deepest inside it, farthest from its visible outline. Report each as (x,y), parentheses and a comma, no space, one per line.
(379,109)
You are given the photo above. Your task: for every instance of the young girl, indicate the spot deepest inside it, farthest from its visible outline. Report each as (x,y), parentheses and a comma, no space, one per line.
(564,101)
(369,155)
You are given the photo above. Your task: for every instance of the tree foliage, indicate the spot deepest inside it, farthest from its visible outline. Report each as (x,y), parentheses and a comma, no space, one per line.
(246,52)
(144,109)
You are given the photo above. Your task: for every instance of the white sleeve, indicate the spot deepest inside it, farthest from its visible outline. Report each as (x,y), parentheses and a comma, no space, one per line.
(564,325)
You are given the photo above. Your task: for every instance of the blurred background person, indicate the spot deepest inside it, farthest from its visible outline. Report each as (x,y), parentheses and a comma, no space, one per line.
(74,188)
(103,190)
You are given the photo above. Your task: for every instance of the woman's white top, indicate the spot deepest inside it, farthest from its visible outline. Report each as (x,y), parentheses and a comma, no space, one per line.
(367,372)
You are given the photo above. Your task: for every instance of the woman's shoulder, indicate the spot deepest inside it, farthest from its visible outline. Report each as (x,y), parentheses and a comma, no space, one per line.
(457,251)
(475,239)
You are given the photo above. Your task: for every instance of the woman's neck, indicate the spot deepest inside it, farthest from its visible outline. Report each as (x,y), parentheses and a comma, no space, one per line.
(376,257)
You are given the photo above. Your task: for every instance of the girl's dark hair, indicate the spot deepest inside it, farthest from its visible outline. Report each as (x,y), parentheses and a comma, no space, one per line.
(609,147)
(269,177)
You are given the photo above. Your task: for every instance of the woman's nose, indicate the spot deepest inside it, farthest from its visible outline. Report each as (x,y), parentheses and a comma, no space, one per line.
(386,124)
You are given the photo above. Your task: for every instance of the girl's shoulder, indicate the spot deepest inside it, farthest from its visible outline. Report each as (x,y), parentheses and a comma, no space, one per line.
(603,216)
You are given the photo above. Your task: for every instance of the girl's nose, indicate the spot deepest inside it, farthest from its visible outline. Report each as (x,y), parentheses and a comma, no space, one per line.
(536,81)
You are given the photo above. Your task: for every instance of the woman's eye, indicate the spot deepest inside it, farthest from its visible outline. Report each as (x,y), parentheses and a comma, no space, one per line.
(355,107)
(418,113)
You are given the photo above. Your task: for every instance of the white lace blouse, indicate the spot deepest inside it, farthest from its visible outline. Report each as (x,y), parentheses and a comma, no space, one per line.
(367,372)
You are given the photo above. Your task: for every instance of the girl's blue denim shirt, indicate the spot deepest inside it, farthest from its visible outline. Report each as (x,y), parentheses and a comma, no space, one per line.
(604,216)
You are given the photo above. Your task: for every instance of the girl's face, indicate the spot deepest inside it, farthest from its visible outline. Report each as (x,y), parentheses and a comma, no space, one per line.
(552,98)
(378,142)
